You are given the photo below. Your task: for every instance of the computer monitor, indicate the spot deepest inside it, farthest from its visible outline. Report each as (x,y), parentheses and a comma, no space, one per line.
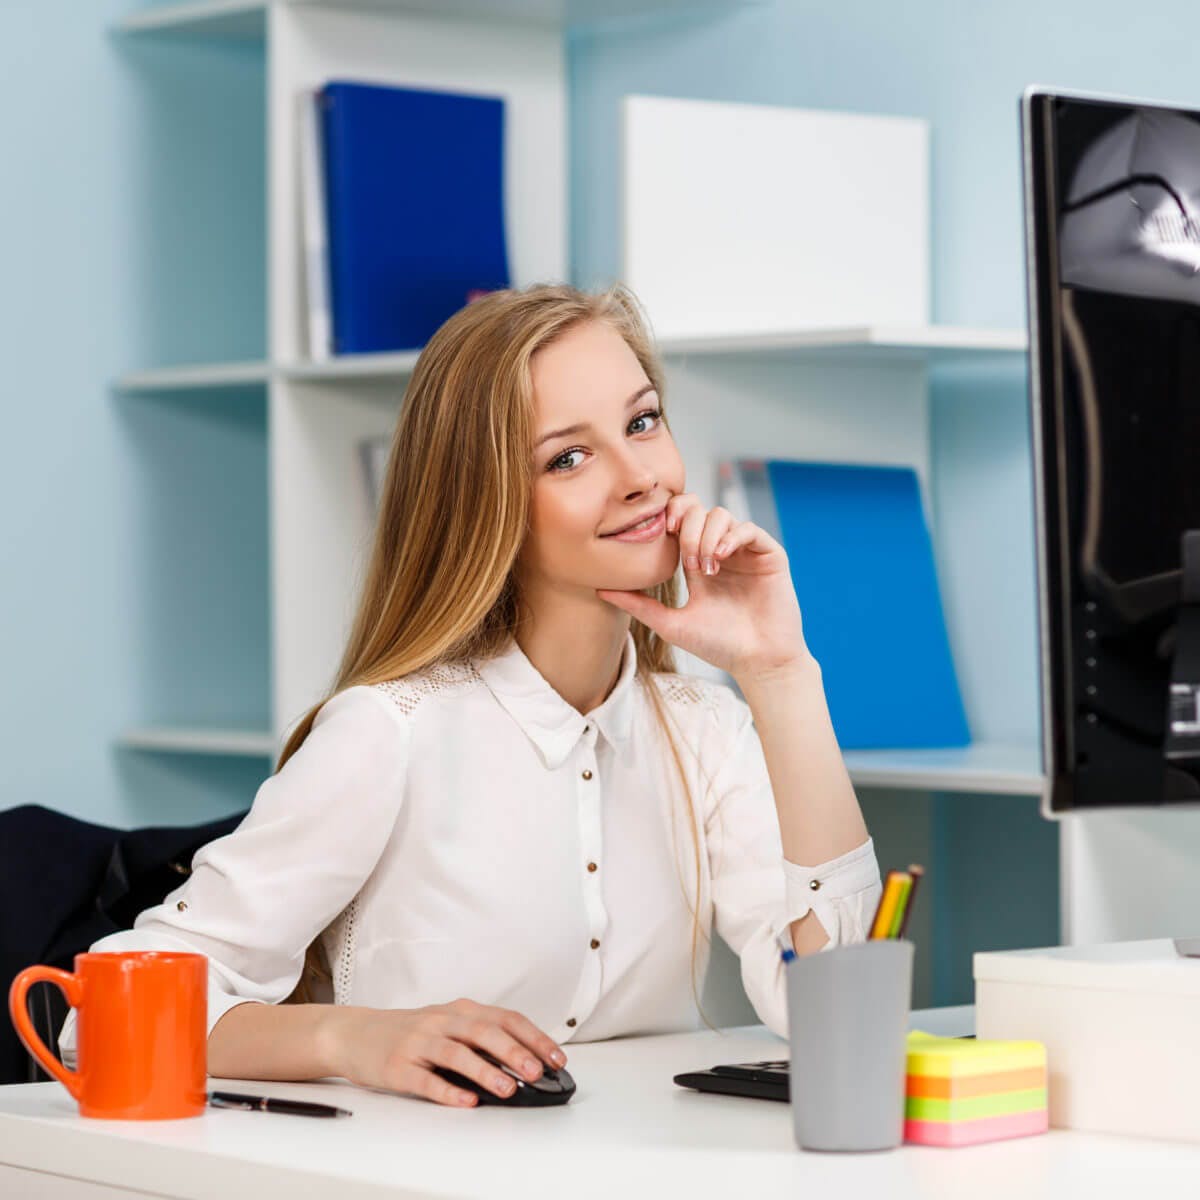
(1112,231)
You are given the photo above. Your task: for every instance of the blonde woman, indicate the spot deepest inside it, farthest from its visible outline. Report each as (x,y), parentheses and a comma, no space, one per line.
(511,824)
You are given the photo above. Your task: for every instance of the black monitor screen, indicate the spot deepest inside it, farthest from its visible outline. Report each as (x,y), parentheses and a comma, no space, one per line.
(1112,207)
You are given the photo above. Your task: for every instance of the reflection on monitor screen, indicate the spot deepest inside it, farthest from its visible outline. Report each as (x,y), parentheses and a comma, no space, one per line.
(1112,193)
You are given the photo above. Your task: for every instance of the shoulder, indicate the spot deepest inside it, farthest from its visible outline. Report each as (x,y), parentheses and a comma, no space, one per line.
(375,721)
(693,698)
(436,684)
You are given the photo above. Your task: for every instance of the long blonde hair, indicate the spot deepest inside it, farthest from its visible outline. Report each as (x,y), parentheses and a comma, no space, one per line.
(454,510)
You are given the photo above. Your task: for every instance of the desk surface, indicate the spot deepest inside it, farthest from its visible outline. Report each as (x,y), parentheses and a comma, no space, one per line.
(628,1132)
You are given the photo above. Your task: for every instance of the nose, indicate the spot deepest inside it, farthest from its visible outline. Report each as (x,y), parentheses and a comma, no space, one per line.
(637,477)
(644,485)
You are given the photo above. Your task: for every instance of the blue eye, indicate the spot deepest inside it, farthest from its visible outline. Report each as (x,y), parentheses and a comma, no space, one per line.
(560,464)
(655,413)
(554,464)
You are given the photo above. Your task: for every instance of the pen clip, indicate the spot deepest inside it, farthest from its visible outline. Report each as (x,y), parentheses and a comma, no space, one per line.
(225,1100)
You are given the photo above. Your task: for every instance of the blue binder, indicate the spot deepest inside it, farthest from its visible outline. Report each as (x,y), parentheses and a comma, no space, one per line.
(414,191)
(863,568)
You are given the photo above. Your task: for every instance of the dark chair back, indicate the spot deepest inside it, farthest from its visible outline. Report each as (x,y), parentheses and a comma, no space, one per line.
(66,883)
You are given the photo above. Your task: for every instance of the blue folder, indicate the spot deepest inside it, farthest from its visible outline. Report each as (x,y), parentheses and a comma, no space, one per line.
(414,192)
(863,568)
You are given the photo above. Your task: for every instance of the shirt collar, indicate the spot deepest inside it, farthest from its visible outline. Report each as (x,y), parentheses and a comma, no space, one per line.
(545,717)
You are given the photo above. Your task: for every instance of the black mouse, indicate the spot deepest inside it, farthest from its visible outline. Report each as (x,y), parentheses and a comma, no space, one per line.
(550,1087)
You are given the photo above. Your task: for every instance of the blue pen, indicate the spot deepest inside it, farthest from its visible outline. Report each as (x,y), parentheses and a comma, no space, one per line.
(786,951)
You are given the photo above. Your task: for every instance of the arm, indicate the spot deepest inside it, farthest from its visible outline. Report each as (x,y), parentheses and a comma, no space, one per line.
(276,1041)
(819,815)
(758,895)
(258,897)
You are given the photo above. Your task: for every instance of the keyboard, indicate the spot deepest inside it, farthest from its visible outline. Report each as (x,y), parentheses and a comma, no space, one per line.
(766,1080)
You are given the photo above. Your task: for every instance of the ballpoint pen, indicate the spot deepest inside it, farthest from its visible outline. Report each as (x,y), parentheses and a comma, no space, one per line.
(299,1108)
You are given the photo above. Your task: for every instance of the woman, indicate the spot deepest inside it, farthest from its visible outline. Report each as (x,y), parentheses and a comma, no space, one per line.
(509,796)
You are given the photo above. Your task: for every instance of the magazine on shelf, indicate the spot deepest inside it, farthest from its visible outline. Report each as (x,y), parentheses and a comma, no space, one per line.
(863,567)
(414,209)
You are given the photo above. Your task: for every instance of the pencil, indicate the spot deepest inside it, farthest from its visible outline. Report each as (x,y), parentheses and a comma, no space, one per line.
(916,871)
(901,906)
(887,904)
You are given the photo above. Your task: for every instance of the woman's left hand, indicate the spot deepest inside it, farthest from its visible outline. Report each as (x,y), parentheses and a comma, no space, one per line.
(743,617)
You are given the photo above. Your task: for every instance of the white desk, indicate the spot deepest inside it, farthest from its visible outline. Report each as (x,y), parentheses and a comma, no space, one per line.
(629,1132)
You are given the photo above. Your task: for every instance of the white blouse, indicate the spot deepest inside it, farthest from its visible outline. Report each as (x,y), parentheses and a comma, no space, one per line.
(464,831)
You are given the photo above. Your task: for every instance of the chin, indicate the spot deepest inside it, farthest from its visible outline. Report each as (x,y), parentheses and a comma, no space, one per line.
(635,579)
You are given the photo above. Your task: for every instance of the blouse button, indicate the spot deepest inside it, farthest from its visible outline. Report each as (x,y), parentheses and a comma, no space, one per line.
(815,884)
(182,906)
(571,1022)
(595,944)
(591,866)
(587,774)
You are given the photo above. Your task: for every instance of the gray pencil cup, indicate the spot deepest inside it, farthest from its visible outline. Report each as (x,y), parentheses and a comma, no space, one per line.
(848,1014)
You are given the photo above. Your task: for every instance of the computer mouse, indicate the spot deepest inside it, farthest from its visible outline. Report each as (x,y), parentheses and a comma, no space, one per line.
(552,1086)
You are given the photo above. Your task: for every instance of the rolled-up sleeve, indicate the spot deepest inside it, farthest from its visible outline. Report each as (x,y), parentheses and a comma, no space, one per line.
(756,892)
(259,896)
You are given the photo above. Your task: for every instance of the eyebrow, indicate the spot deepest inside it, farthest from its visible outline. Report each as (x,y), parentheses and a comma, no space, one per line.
(580,428)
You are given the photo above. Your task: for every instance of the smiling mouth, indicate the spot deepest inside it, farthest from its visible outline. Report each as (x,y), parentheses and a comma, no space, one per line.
(645,523)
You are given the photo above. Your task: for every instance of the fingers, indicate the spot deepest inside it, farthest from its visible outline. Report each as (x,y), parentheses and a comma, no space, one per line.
(511,1039)
(448,1052)
(507,1036)
(717,524)
(700,531)
(746,535)
(677,506)
(652,613)
(521,1027)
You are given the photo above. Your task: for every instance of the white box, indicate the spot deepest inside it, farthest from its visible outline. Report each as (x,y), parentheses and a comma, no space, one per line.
(1121,1025)
(756,218)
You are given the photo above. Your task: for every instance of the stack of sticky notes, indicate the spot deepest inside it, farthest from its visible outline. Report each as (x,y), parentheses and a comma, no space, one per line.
(963,1090)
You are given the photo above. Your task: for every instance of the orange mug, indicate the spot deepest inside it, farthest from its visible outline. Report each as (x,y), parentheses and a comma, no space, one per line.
(141,1032)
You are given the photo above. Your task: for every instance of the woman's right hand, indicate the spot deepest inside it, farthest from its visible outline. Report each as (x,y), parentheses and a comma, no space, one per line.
(398,1048)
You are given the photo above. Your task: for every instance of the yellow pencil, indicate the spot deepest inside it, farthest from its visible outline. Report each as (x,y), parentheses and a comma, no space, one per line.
(887,903)
(917,872)
(901,907)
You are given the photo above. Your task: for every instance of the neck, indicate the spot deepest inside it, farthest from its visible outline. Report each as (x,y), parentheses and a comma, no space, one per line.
(575,644)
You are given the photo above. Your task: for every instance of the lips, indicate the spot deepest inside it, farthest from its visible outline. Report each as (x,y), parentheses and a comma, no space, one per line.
(645,517)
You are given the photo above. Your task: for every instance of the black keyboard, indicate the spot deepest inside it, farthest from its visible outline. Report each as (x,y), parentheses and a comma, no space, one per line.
(765,1080)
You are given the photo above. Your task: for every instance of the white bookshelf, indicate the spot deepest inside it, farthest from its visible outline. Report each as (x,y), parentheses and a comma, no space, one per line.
(203,376)
(398,365)
(792,383)
(202,18)
(985,768)
(930,345)
(247,18)
(251,743)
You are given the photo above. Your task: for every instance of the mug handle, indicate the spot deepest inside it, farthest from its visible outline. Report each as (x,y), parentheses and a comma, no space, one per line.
(18,1008)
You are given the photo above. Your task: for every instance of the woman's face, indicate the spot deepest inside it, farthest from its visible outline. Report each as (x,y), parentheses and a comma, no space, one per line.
(602,458)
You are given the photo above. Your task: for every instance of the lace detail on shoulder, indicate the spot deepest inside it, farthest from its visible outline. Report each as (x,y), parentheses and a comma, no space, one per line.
(688,690)
(408,691)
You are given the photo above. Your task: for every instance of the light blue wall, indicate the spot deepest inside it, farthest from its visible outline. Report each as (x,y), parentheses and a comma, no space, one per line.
(132,222)
(963,68)
(133,532)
